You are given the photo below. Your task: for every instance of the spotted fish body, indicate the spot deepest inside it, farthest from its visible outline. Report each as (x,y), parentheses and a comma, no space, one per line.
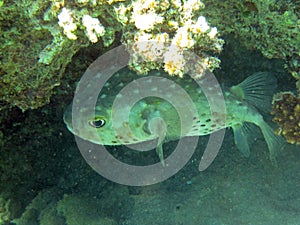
(156,117)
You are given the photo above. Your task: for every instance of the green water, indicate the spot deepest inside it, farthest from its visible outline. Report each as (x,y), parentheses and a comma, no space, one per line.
(45,180)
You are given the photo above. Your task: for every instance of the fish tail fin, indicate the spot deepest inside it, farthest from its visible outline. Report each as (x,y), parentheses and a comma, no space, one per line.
(257,89)
(243,137)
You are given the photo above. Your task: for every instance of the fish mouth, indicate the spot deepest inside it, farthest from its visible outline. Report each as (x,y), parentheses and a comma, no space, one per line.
(67,118)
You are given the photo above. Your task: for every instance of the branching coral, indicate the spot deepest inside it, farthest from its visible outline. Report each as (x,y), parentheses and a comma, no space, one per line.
(286,111)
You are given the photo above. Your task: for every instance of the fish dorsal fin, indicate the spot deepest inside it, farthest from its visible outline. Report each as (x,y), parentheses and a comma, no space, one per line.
(257,90)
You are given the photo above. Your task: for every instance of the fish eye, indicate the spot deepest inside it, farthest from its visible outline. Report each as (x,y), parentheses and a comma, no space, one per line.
(97,122)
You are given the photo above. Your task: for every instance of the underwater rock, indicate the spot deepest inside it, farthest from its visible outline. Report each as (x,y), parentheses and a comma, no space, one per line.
(79,209)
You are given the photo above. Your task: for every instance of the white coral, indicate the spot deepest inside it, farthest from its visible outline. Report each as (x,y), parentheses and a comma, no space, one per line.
(66,21)
(201,25)
(156,31)
(94,28)
(174,61)
(183,38)
(146,21)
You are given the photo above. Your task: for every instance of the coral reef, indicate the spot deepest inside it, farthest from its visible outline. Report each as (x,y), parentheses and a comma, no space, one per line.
(293,65)
(156,33)
(50,206)
(78,209)
(39,39)
(8,210)
(271,27)
(35,211)
(286,111)
(30,50)
(34,52)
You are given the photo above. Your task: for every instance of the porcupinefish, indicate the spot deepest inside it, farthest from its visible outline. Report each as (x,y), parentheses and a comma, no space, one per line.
(243,104)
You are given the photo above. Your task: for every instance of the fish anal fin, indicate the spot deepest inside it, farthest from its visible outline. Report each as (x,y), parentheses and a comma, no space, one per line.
(243,137)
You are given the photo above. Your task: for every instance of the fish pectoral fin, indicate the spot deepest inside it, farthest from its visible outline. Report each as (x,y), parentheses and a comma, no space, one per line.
(158,128)
(160,153)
